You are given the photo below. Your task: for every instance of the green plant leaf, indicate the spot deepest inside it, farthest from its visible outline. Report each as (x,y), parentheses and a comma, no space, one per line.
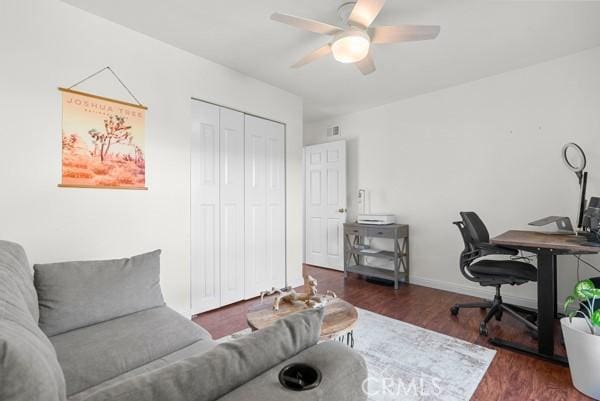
(596,318)
(581,287)
(570,299)
(591,292)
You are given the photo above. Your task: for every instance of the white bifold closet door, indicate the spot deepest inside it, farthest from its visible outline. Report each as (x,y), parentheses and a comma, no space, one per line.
(237,206)
(205,238)
(265,205)
(232,205)
(217,206)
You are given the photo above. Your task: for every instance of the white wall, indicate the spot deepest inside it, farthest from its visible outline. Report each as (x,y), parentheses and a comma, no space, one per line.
(45,44)
(491,145)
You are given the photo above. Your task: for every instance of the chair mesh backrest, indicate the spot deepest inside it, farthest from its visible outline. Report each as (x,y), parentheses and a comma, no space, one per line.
(477,230)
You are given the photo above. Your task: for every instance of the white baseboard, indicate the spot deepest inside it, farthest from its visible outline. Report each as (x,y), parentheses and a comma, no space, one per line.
(480,292)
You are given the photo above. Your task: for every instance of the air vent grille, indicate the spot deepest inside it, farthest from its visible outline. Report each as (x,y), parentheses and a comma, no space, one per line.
(334,131)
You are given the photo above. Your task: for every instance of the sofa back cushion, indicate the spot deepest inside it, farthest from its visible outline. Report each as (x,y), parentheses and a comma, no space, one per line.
(29,369)
(78,294)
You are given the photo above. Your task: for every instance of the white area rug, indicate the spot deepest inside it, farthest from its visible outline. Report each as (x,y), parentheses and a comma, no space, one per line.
(409,363)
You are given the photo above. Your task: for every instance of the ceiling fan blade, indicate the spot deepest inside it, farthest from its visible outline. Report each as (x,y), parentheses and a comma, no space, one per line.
(365,12)
(312,56)
(366,65)
(306,24)
(403,33)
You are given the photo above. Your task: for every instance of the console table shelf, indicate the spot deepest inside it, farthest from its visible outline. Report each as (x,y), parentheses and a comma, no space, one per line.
(379,254)
(355,257)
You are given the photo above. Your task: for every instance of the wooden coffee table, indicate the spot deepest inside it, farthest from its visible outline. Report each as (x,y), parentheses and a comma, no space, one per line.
(338,322)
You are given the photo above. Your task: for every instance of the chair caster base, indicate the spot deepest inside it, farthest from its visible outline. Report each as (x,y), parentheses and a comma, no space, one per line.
(483,330)
(454,310)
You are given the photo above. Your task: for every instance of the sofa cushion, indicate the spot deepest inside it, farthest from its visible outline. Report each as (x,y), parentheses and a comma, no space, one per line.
(13,261)
(94,354)
(225,367)
(343,373)
(197,348)
(29,369)
(78,294)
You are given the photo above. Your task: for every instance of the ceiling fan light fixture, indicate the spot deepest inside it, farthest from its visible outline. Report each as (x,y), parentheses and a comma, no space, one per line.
(350,46)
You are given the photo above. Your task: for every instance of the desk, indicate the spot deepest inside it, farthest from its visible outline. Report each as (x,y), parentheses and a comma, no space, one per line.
(546,247)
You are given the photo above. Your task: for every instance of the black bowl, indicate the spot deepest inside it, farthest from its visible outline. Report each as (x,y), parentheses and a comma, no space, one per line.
(299,377)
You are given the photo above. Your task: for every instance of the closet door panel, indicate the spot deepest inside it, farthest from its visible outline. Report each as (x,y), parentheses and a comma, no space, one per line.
(255,227)
(276,201)
(232,205)
(265,206)
(205,199)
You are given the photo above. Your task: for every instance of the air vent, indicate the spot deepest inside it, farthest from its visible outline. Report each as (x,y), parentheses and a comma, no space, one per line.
(333,131)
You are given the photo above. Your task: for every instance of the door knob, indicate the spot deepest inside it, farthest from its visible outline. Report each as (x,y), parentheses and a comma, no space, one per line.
(342,210)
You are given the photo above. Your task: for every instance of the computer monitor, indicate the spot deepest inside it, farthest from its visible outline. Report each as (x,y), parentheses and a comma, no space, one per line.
(591,222)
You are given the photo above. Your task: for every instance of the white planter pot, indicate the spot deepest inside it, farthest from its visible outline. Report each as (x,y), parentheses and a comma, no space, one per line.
(583,351)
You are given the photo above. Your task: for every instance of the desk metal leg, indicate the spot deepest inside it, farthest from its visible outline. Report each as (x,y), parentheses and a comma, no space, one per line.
(546,302)
(546,295)
(555,264)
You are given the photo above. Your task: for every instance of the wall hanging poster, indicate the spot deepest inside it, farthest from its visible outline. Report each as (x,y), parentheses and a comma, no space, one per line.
(102,142)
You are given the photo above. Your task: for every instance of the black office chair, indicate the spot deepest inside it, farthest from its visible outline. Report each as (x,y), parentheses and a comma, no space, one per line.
(491,273)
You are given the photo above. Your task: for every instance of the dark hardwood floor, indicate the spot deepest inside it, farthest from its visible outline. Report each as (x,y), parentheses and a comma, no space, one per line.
(511,376)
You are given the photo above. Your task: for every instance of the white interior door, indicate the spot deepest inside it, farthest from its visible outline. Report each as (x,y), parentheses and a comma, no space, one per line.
(231,205)
(205,194)
(325,204)
(265,205)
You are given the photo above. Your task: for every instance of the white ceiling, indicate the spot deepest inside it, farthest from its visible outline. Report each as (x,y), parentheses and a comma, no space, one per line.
(479,38)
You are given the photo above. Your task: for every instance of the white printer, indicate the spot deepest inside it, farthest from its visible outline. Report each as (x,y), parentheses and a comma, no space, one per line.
(376,219)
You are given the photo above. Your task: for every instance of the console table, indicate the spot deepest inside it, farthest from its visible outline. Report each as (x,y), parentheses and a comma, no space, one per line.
(355,256)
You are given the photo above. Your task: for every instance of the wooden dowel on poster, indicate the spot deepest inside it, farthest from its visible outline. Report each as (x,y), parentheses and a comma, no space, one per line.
(101,187)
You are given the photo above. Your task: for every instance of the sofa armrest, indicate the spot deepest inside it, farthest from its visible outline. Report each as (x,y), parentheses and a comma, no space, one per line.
(227,366)
(344,377)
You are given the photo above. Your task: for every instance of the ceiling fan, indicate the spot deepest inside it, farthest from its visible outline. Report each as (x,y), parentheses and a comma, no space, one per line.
(352,44)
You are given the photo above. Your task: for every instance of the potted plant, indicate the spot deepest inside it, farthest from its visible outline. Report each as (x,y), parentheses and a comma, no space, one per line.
(581,331)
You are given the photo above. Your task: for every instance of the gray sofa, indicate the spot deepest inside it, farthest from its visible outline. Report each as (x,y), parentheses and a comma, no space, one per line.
(91,331)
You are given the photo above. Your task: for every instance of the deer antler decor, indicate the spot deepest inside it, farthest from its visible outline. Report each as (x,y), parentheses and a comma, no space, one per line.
(310,295)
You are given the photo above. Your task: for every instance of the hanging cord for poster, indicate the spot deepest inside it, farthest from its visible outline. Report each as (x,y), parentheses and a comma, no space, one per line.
(115,75)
